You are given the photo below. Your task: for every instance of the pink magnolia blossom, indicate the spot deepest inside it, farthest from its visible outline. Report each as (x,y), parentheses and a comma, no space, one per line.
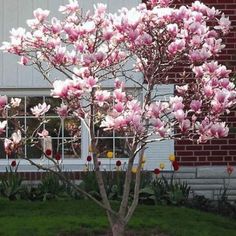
(61,88)
(119,84)
(134,106)
(119,95)
(8,146)
(33,23)
(100,9)
(62,111)
(72,7)
(159,127)
(56,25)
(155,109)
(196,105)
(208,90)
(90,82)
(176,47)
(40,109)
(185,125)
(15,102)
(60,55)
(182,89)
(2,126)
(219,130)
(102,96)
(224,24)
(44,133)
(16,137)
(179,115)
(11,145)
(24,60)
(176,103)
(119,107)
(3,102)
(173,29)
(200,55)
(40,14)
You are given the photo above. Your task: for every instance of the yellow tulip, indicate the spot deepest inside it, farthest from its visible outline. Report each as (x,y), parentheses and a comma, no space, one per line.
(109,154)
(90,148)
(134,170)
(162,166)
(143,159)
(172,157)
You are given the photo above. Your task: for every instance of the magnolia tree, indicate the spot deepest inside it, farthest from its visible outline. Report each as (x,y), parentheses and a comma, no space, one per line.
(141,45)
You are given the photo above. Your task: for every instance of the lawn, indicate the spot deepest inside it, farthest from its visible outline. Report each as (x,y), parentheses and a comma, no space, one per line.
(82,217)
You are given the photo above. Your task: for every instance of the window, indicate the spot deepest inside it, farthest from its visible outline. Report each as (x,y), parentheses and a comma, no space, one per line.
(65,137)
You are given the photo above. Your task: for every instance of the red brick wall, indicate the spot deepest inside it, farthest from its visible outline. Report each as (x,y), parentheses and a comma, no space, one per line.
(221,151)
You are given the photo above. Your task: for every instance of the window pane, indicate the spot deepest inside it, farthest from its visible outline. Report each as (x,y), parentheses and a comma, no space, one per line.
(104,146)
(122,148)
(53,126)
(54,103)
(15,124)
(56,145)
(34,152)
(72,148)
(100,132)
(32,124)
(72,127)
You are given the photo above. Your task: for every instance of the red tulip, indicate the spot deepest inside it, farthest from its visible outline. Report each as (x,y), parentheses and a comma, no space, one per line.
(118,163)
(157,171)
(175,165)
(89,158)
(48,152)
(58,156)
(230,169)
(13,163)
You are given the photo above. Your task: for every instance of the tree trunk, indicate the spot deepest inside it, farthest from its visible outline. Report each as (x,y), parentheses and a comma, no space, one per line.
(118,228)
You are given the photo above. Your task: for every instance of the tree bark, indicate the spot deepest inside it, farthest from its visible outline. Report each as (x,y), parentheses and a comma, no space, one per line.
(118,228)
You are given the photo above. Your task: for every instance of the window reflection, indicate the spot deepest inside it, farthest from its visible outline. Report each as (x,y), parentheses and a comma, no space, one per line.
(54,103)
(72,148)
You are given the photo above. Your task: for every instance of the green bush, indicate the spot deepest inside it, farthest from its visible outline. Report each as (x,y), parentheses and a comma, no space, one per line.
(11,184)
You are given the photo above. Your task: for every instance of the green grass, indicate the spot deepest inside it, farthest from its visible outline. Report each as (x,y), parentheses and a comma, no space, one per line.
(83,217)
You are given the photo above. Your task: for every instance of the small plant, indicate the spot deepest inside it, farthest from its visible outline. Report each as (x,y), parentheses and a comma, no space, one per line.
(223,205)
(201,203)
(11,185)
(51,187)
(170,191)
